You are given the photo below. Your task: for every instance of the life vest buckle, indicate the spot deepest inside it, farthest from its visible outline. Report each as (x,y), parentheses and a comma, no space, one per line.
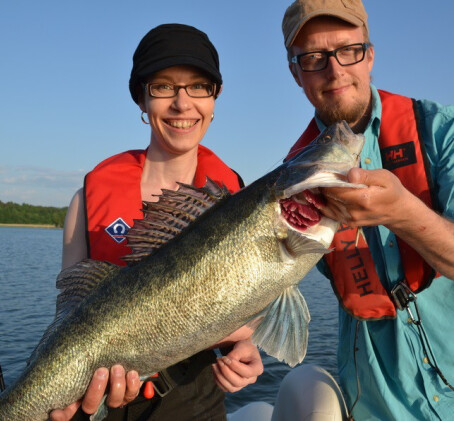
(402,295)
(163,383)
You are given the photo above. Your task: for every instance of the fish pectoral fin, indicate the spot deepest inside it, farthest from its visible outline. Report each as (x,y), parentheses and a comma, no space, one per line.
(297,244)
(283,331)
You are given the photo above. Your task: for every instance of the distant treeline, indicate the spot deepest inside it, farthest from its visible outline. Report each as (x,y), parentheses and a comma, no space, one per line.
(13,213)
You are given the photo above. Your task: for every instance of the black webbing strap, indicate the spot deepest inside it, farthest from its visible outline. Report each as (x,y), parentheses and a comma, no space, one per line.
(167,380)
(403,297)
(358,384)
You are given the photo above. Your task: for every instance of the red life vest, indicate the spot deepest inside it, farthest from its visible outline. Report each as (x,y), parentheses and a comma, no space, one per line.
(113,198)
(353,274)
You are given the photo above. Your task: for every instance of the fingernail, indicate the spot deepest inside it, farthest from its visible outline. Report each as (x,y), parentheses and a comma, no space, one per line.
(117,371)
(220,362)
(102,373)
(226,360)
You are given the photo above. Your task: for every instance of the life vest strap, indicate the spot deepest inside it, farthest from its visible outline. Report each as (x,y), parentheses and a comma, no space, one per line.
(163,383)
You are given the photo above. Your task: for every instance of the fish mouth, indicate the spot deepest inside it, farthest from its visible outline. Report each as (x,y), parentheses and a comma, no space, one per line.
(302,211)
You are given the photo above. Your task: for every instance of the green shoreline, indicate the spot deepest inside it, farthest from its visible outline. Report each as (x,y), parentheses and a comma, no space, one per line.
(29,226)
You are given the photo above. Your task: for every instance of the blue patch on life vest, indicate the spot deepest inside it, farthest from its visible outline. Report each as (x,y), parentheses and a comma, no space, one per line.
(118,229)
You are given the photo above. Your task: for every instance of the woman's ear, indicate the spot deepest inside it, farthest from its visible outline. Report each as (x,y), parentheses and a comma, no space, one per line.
(142,105)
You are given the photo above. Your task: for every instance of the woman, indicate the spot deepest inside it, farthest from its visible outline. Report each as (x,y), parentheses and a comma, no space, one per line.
(175,80)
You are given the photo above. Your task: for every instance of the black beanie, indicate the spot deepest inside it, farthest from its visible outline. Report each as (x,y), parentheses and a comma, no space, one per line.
(173,45)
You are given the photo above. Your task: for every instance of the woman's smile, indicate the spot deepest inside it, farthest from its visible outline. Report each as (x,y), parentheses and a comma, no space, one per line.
(181,123)
(178,122)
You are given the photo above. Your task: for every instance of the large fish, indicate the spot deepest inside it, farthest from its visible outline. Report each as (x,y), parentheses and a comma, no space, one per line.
(204,263)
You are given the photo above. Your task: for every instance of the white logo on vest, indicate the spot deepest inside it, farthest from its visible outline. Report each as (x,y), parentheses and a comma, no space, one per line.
(118,229)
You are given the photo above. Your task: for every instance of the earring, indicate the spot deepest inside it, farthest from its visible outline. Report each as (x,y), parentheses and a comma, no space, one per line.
(212,117)
(143,120)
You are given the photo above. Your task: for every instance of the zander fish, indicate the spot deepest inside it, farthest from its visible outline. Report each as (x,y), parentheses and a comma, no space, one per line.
(203,264)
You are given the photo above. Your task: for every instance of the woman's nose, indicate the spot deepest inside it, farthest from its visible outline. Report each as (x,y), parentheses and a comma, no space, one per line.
(182,100)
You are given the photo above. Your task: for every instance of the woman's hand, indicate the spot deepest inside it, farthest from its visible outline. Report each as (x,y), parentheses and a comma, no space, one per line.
(123,388)
(239,367)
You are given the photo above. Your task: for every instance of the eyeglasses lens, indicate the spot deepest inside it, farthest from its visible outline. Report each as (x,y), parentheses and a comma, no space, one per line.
(350,54)
(345,56)
(200,90)
(196,90)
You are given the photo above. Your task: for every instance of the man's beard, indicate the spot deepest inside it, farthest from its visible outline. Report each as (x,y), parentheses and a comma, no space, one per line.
(330,114)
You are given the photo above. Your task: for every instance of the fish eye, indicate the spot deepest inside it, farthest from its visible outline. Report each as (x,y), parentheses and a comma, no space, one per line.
(325,139)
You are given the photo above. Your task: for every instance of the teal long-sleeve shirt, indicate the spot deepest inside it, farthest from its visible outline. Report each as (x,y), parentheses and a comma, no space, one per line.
(397,383)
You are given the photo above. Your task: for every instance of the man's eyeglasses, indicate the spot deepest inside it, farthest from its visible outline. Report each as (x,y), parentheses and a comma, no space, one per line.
(169,90)
(347,55)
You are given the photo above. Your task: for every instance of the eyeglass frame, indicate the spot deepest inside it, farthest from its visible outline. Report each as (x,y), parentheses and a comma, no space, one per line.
(176,89)
(332,53)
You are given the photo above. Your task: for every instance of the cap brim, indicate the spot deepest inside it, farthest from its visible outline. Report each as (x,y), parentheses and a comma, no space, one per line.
(336,14)
(181,61)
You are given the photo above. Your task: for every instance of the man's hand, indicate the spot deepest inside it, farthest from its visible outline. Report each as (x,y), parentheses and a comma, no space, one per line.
(239,367)
(123,388)
(383,202)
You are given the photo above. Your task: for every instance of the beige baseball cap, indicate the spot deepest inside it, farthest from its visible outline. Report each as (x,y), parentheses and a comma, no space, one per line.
(301,11)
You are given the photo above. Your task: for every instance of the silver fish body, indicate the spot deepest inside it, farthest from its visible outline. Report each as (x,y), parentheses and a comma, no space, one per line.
(239,262)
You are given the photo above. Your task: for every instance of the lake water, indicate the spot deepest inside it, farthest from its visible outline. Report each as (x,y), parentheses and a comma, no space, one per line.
(30,260)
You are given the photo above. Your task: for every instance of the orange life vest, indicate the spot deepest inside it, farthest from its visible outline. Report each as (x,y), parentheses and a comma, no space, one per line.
(353,274)
(113,198)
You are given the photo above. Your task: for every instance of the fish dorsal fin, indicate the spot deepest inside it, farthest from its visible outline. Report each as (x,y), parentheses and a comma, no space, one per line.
(169,216)
(75,283)
(282,331)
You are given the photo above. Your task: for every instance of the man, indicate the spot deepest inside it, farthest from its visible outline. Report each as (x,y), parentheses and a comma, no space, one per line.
(396,318)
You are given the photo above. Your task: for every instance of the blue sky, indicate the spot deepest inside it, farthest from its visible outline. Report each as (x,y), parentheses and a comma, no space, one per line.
(65,67)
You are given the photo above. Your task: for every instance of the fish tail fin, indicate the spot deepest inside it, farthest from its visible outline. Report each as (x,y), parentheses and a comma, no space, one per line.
(283,330)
